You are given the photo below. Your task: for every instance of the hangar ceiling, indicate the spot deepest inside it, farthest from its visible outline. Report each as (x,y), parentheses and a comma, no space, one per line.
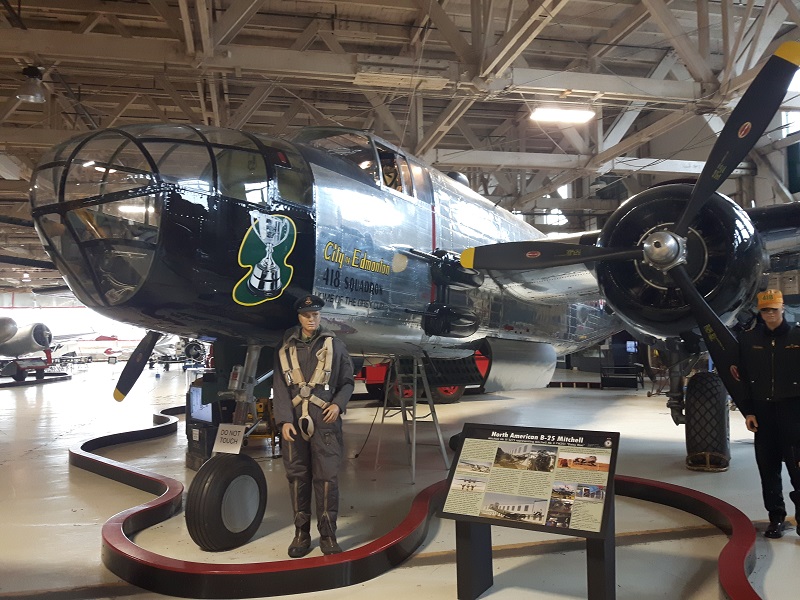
(453,81)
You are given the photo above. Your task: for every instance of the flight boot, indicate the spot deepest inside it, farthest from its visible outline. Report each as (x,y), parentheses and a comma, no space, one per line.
(327,535)
(301,543)
(328,545)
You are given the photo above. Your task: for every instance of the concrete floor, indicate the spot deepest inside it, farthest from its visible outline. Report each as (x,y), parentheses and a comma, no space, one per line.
(51,514)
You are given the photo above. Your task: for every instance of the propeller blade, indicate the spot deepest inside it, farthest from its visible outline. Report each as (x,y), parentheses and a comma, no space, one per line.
(747,122)
(536,254)
(135,364)
(721,343)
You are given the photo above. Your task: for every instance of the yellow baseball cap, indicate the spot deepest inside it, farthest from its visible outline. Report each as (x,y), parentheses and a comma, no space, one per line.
(770,299)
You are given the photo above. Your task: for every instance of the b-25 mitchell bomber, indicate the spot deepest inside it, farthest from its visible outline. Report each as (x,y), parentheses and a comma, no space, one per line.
(213,234)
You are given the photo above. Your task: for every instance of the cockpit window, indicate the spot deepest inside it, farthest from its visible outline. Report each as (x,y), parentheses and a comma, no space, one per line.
(350,145)
(395,171)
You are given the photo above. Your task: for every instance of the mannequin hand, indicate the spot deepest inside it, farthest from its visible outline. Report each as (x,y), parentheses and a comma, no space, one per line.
(330,413)
(288,432)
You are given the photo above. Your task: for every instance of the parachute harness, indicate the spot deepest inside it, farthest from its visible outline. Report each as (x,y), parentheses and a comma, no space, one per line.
(294,376)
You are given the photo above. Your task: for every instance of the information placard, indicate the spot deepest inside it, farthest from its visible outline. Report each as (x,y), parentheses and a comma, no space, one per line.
(553,480)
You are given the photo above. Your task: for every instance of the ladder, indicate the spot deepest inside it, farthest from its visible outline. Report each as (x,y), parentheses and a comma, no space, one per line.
(407,374)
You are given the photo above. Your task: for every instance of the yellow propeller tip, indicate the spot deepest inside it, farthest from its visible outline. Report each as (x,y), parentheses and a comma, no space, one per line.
(789,51)
(119,396)
(468,258)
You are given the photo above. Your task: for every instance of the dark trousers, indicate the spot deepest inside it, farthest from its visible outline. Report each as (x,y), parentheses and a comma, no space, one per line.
(315,463)
(777,442)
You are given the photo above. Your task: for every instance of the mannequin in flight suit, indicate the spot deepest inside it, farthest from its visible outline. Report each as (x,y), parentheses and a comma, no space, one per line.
(312,385)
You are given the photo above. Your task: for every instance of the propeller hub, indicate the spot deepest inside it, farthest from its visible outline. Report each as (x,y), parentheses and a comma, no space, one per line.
(664,250)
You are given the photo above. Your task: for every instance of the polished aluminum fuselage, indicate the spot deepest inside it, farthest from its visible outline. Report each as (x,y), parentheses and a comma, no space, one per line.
(376,289)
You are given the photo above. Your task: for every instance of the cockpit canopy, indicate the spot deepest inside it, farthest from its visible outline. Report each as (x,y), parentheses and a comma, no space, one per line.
(98,200)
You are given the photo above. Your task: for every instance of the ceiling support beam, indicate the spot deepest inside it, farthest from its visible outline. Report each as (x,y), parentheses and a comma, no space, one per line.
(123,105)
(446,120)
(78,106)
(703,30)
(627,117)
(766,170)
(178,100)
(13,17)
(737,36)
(493,159)
(203,11)
(168,14)
(8,107)
(186,29)
(792,10)
(767,26)
(600,162)
(538,15)
(669,25)
(286,118)
(378,104)
(448,30)
(503,180)
(251,104)
(155,108)
(233,21)
(114,21)
(89,23)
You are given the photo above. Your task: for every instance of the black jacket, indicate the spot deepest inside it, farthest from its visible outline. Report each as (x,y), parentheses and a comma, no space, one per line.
(769,363)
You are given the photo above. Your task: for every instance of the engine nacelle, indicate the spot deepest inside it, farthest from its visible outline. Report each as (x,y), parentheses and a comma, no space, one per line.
(725,259)
(8,329)
(29,338)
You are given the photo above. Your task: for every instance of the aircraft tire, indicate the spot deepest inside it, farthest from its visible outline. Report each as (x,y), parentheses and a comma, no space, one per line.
(226,502)
(707,425)
(441,395)
(447,394)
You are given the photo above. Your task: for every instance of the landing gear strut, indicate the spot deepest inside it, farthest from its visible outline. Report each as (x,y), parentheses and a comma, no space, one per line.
(226,501)
(705,413)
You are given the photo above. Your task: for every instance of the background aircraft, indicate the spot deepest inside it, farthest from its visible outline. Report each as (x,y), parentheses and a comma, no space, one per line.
(213,234)
(16,342)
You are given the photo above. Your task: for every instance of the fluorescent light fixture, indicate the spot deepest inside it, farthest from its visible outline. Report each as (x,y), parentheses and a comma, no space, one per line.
(31,90)
(26,277)
(136,209)
(558,114)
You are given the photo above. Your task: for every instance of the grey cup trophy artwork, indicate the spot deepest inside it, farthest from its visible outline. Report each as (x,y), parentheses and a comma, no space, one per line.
(272,230)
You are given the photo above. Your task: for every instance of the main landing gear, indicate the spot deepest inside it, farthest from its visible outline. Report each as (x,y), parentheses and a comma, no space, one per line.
(227,499)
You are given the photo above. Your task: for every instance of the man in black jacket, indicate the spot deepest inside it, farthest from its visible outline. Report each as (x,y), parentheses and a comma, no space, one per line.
(770,370)
(312,384)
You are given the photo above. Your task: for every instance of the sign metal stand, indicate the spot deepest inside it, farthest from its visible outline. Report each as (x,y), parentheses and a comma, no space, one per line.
(500,477)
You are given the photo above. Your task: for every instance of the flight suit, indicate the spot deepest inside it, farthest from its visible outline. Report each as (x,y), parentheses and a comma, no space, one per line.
(770,368)
(314,462)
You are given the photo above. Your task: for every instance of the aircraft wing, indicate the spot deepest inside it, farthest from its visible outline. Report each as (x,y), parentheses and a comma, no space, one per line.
(778,226)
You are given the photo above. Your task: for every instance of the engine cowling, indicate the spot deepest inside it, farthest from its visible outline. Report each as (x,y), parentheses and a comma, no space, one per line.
(29,338)
(725,259)
(8,329)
